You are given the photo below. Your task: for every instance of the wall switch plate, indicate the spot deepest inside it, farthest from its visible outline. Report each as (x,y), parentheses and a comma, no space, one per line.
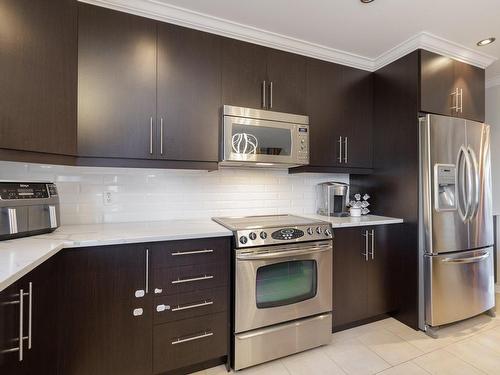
(107,198)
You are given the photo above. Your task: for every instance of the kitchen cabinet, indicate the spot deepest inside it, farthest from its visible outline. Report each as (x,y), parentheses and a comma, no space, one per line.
(38,61)
(258,77)
(189,94)
(105,310)
(190,280)
(33,311)
(365,264)
(340,109)
(116,84)
(450,87)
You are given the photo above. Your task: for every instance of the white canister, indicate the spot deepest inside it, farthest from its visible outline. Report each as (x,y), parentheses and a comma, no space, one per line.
(355,211)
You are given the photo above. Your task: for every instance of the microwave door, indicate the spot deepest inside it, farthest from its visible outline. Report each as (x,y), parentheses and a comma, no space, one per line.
(252,140)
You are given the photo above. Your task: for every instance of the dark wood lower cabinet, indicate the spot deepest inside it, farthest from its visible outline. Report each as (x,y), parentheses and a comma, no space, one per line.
(365,265)
(39,347)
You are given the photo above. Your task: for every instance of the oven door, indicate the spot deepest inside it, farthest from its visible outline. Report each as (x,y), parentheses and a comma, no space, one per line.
(263,141)
(276,284)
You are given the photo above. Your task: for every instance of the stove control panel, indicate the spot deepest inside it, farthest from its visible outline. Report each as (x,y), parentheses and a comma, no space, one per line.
(273,236)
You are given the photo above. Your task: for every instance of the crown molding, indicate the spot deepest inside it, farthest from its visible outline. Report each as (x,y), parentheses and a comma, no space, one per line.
(188,18)
(493,81)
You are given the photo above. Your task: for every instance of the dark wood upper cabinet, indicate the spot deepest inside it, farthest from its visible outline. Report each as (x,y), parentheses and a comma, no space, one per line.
(286,74)
(104,327)
(437,83)
(451,88)
(323,101)
(38,65)
(244,71)
(189,94)
(471,80)
(116,84)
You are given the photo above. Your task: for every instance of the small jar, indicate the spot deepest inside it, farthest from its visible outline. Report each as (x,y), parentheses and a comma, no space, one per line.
(355,211)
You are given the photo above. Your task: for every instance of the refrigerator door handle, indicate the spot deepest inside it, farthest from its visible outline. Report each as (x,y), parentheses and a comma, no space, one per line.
(475,182)
(474,259)
(463,175)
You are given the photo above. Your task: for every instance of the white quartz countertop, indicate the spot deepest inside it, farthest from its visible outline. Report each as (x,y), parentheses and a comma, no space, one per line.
(20,256)
(340,222)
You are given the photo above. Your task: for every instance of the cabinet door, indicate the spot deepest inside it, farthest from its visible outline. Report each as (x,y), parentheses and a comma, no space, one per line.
(471,80)
(349,276)
(99,333)
(357,99)
(286,73)
(382,269)
(437,83)
(244,67)
(116,83)
(38,65)
(39,355)
(324,83)
(189,87)
(10,362)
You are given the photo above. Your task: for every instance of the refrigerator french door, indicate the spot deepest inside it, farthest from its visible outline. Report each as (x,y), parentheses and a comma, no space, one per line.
(456,223)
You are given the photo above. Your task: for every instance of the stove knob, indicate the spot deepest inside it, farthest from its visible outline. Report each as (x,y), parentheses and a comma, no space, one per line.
(252,236)
(328,232)
(243,240)
(310,231)
(263,235)
(318,230)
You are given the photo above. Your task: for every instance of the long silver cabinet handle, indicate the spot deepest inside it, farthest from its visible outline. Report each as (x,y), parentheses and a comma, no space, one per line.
(21,325)
(346,152)
(373,243)
(161,136)
(198,337)
(461,100)
(366,253)
(454,103)
(151,135)
(181,281)
(340,149)
(264,88)
(180,253)
(205,303)
(30,314)
(271,95)
(147,271)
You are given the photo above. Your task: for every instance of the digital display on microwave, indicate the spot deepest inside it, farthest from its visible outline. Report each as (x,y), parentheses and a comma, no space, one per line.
(302,130)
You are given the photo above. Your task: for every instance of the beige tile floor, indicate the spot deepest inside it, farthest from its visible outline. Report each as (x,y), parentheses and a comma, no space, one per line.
(388,347)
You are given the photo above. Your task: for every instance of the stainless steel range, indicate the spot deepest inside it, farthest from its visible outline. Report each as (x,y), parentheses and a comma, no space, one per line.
(282,286)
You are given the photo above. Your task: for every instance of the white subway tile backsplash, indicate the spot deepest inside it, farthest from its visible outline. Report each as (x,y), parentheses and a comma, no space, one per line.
(151,195)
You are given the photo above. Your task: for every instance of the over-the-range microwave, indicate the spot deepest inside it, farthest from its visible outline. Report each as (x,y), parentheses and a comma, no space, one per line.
(260,138)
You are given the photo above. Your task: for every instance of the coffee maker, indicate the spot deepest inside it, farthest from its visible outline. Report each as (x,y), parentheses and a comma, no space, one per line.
(332,199)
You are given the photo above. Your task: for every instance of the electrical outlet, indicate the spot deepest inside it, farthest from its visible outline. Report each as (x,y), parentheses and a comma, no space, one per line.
(107,197)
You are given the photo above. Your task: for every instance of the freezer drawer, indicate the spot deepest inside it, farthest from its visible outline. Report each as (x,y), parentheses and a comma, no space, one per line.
(458,285)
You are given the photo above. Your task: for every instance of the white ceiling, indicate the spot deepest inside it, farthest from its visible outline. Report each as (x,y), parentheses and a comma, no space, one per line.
(368,31)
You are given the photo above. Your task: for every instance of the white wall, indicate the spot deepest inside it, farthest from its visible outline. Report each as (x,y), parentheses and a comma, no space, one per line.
(146,194)
(493,118)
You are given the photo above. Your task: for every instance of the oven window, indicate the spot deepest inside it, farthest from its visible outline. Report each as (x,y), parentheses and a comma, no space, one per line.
(286,283)
(261,140)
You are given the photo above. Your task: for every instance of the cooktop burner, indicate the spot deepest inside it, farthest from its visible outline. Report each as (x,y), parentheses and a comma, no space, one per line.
(274,229)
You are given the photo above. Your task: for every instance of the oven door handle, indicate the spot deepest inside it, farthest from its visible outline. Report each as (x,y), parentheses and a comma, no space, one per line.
(283,254)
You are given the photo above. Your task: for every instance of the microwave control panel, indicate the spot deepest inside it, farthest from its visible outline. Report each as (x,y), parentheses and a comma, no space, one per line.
(303,146)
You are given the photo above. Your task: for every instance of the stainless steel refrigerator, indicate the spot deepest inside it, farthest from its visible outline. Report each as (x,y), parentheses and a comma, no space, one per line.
(455,221)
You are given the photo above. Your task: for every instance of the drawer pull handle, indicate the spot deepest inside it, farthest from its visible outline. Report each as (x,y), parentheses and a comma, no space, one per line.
(187,307)
(202,336)
(180,281)
(179,253)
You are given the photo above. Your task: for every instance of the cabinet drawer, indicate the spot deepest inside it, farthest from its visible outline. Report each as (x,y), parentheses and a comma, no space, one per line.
(190,341)
(190,278)
(189,305)
(184,253)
